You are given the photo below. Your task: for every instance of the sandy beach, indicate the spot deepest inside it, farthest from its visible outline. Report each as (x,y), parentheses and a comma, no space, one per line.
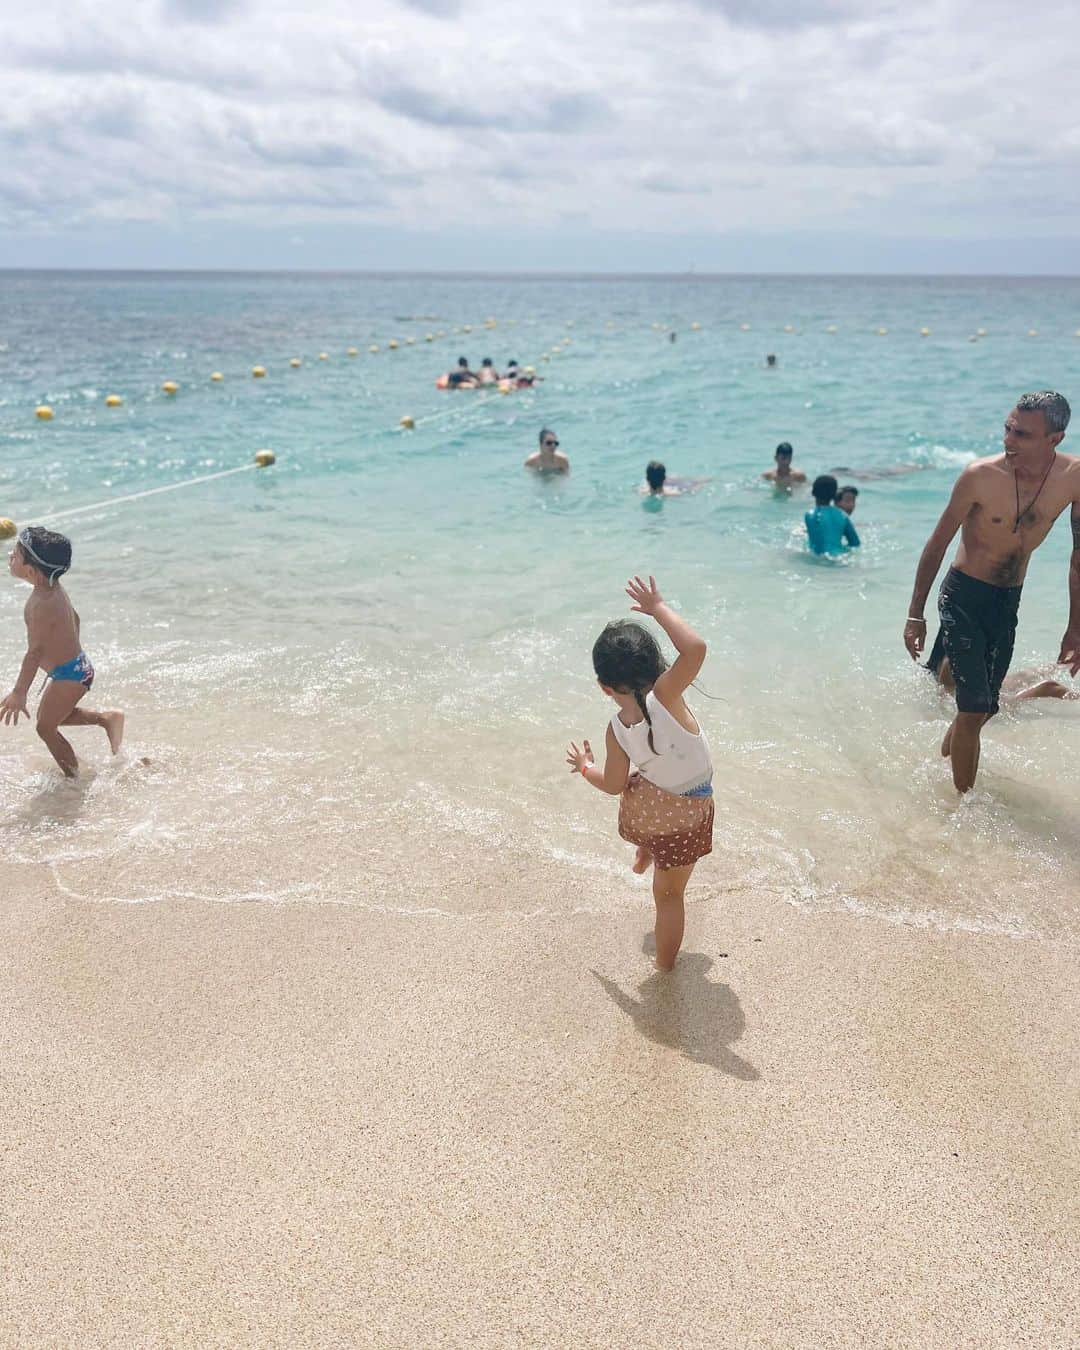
(322,1124)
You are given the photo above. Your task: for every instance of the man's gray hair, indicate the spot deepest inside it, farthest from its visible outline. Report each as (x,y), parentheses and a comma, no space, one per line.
(1054,408)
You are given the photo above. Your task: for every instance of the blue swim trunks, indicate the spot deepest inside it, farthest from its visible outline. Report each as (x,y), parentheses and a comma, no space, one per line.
(76,671)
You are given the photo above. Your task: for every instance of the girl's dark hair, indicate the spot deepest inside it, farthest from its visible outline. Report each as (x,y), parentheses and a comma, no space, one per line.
(546,432)
(45,550)
(628,658)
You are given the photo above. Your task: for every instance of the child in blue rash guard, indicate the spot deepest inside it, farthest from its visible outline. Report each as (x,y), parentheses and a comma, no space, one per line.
(828,529)
(41,558)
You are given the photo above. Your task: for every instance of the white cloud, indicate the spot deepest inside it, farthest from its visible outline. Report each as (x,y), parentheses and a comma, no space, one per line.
(937,116)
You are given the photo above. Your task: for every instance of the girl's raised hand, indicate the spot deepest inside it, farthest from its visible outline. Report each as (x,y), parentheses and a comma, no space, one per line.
(646,599)
(579,759)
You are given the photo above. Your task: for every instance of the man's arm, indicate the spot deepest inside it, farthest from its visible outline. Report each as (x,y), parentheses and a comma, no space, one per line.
(1070,643)
(960,504)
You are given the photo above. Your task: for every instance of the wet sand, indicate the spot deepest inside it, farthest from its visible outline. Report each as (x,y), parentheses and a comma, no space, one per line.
(313,1124)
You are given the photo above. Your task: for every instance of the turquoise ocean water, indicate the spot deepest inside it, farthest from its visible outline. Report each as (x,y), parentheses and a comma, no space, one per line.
(369,658)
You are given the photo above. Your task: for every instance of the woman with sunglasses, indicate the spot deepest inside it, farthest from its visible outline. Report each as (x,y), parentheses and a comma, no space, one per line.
(549,458)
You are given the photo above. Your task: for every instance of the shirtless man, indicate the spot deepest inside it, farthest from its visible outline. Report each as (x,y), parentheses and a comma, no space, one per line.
(784,475)
(1004,507)
(549,458)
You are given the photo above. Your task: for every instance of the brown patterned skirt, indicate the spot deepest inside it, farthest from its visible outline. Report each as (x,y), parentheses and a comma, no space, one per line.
(677,831)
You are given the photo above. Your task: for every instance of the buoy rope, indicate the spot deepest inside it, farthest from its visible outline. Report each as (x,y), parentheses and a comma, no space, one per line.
(149,492)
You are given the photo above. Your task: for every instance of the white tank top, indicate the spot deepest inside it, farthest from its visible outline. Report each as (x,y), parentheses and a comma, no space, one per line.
(682,760)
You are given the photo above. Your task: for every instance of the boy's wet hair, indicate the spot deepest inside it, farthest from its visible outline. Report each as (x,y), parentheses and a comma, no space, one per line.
(784,448)
(487,361)
(46,551)
(655,473)
(824,489)
(843,492)
(627,657)
(463,362)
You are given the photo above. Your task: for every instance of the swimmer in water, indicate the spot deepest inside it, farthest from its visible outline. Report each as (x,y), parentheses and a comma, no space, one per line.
(770,361)
(890,471)
(41,557)
(658,484)
(488,373)
(845,499)
(549,458)
(784,476)
(657,760)
(463,377)
(828,529)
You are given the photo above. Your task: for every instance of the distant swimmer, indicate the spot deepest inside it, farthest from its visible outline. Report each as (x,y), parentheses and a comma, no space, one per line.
(784,475)
(53,645)
(488,373)
(658,484)
(549,458)
(845,498)
(889,471)
(770,361)
(672,336)
(463,377)
(1003,506)
(828,529)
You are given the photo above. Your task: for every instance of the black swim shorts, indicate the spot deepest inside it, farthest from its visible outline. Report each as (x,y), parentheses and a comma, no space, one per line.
(978,628)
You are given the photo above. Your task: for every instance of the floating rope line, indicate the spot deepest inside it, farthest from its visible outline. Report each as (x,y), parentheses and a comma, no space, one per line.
(149,492)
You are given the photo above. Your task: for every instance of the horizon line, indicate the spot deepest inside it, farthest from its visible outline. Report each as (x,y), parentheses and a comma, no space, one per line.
(533,275)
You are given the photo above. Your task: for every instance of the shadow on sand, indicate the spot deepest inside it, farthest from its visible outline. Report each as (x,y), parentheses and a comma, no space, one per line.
(688,1012)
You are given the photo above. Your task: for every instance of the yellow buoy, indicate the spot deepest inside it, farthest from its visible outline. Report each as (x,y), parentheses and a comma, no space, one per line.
(409,342)
(7,528)
(113,401)
(744,327)
(924,332)
(393,344)
(169,387)
(1033,332)
(789,328)
(831,328)
(296,363)
(489,322)
(259,372)
(694,327)
(980,332)
(440,334)
(351,351)
(429,337)
(323,356)
(373,349)
(1077,333)
(467,328)
(407,422)
(216,376)
(882,332)
(263,458)
(44,412)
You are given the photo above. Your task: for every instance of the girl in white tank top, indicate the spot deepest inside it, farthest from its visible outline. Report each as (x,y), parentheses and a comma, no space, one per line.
(657,758)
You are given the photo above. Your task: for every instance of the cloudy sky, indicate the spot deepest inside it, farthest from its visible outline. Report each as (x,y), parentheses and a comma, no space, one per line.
(796,135)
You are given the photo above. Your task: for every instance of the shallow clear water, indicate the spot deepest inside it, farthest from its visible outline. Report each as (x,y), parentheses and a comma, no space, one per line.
(376,651)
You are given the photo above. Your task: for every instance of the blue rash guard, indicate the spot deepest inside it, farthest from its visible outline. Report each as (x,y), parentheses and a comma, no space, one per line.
(829,530)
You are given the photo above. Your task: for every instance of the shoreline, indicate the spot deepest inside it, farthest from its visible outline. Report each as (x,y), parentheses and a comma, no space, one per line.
(307,1124)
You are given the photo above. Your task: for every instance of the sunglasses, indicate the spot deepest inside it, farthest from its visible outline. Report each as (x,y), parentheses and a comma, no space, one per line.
(551,445)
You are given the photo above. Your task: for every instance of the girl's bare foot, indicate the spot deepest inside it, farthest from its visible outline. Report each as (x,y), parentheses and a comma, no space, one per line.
(642,860)
(114,727)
